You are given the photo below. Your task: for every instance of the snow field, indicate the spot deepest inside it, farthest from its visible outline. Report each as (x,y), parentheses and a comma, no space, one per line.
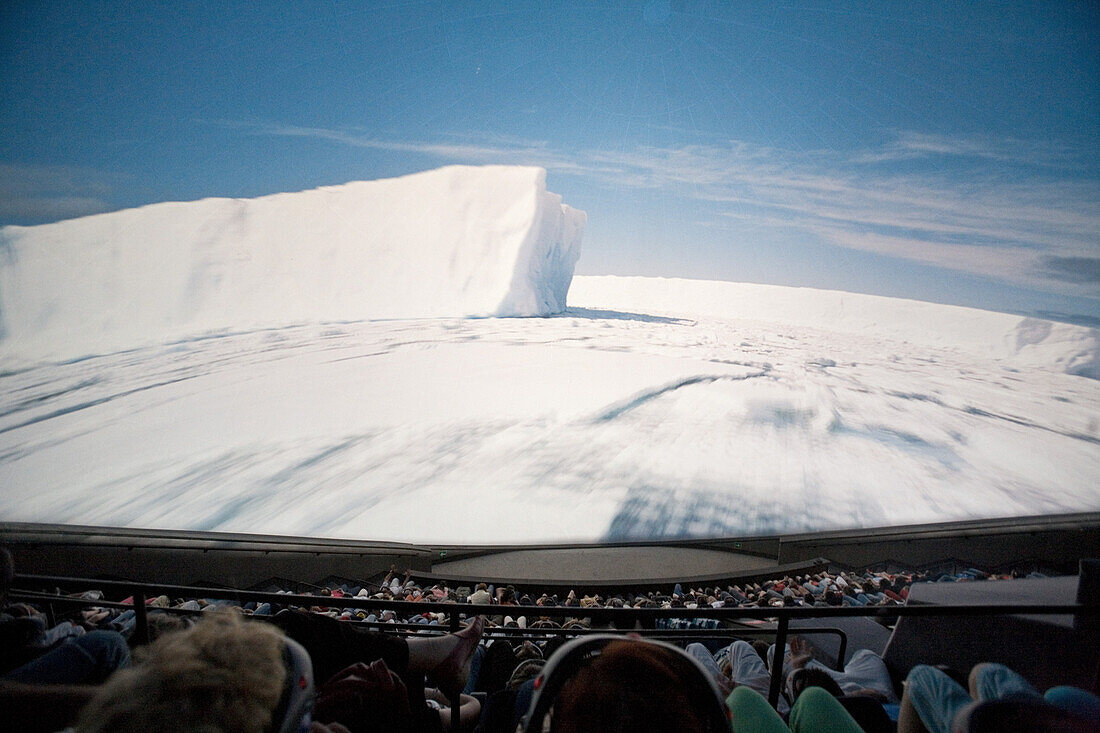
(1025,343)
(594,424)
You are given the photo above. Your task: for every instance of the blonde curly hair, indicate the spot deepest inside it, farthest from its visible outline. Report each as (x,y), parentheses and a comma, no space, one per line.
(223,675)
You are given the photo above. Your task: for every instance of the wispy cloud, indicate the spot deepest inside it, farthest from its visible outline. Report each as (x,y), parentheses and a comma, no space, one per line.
(911,145)
(985,215)
(1016,230)
(32,193)
(507,151)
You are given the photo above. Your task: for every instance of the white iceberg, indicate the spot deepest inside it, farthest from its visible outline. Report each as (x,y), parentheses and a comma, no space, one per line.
(457,241)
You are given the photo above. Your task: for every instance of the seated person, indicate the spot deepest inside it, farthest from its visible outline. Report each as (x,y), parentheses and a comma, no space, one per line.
(864,674)
(739,664)
(815,711)
(228,674)
(222,674)
(864,706)
(86,659)
(934,702)
(481,595)
(335,646)
(610,683)
(32,652)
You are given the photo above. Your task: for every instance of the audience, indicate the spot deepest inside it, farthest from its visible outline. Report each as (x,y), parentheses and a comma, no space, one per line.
(229,673)
(817,589)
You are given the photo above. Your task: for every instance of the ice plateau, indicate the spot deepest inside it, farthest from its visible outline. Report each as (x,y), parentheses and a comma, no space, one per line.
(457,241)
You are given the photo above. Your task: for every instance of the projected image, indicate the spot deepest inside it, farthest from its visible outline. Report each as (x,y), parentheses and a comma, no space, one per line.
(548,272)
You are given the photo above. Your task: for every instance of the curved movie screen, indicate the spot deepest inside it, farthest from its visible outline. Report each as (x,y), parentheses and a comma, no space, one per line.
(548,272)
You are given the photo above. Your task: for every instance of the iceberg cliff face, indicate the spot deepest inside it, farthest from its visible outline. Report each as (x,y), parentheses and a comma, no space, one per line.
(453,242)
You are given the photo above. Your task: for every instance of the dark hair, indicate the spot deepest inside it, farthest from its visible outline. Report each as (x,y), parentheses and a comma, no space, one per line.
(630,687)
(812,677)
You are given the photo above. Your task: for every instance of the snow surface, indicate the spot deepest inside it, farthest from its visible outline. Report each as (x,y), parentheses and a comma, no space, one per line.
(1018,341)
(457,241)
(607,421)
(649,408)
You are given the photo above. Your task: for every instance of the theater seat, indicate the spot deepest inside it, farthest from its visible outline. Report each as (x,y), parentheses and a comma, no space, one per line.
(1037,716)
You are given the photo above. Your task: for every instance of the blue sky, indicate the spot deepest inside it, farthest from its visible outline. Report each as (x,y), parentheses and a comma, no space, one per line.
(939,151)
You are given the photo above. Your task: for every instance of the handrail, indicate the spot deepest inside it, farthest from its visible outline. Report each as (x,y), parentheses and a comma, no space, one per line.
(631,617)
(498,631)
(594,612)
(406,629)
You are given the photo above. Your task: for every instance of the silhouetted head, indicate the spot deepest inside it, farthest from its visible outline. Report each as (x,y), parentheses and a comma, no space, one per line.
(629,687)
(800,679)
